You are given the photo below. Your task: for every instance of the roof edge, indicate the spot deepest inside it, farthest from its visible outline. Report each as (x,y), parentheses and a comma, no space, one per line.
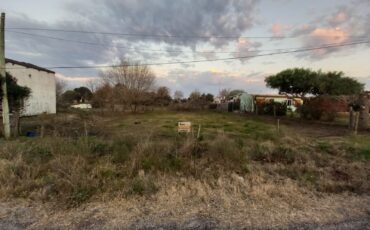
(28,65)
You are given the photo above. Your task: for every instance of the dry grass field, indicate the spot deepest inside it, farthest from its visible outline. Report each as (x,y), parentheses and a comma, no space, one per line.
(94,170)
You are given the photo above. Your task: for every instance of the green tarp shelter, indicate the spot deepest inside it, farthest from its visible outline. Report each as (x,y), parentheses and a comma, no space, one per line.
(246,102)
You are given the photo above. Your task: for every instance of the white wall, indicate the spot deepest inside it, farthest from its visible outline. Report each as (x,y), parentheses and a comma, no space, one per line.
(42,85)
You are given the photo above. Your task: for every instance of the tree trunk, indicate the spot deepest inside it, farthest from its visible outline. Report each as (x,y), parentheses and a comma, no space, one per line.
(364,112)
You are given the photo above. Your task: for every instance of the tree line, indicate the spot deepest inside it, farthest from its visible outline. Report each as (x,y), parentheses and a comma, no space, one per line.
(131,86)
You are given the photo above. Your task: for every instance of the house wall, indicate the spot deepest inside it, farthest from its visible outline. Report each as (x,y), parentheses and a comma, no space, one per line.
(42,85)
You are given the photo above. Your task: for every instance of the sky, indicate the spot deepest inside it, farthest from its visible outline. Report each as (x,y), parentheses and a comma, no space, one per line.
(188,30)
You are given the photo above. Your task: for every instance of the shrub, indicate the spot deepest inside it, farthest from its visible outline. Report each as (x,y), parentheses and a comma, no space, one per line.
(268,152)
(274,108)
(224,148)
(142,186)
(323,107)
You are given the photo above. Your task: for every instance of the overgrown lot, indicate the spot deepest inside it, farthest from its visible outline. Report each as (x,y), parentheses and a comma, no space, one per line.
(88,156)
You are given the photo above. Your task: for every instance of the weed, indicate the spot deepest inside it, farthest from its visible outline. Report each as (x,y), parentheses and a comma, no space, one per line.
(80,195)
(365,153)
(142,186)
(270,153)
(38,154)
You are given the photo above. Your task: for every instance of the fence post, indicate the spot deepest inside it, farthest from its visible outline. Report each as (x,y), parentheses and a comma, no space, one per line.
(356,122)
(351,122)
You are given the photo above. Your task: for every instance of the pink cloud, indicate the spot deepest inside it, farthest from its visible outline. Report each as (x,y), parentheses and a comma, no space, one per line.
(340,17)
(323,36)
(329,35)
(278,29)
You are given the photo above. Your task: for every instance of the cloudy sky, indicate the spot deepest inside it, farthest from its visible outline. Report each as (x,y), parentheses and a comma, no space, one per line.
(157,31)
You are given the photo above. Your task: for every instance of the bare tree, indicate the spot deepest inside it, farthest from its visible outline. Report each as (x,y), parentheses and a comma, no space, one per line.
(92,85)
(132,80)
(178,95)
(224,93)
(60,86)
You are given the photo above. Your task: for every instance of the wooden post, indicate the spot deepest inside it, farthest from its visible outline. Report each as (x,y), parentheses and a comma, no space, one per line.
(278,125)
(356,122)
(5,103)
(351,122)
(198,135)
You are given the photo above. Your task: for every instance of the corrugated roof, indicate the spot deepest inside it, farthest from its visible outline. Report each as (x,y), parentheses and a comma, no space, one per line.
(27,65)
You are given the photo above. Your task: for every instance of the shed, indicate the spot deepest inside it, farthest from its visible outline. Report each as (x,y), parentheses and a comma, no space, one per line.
(41,81)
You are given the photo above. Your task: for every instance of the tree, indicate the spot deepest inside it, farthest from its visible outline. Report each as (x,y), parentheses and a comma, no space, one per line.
(103,97)
(16,96)
(200,101)
(178,95)
(335,83)
(133,80)
(234,93)
(296,82)
(70,96)
(300,82)
(60,86)
(83,94)
(92,84)
(162,96)
(224,94)
(194,96)
(209,97)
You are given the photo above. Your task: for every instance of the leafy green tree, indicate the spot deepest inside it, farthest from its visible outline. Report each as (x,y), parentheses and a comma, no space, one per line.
(83,94)
(69,96)
(300,82)
(335,83)
(296,82)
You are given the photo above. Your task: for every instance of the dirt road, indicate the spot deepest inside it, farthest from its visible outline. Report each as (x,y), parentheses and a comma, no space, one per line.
(197,224)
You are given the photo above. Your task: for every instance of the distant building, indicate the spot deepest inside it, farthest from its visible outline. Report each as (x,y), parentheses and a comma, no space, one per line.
(82,106)
(245,102)
(41,81)
(292,102)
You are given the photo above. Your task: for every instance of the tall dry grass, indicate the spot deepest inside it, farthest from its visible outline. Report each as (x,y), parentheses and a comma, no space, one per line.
(77,163)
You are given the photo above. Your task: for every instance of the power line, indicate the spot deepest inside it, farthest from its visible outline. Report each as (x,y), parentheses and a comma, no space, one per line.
(209,60)
(168,35)
(140,35)
(152,50)
(121,47)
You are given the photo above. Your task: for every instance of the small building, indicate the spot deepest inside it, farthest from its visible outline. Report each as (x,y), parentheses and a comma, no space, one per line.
(42,83)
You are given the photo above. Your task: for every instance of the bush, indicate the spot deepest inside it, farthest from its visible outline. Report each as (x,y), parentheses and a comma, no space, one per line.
(269,153)
(323,108)
(274,108)
(142,186)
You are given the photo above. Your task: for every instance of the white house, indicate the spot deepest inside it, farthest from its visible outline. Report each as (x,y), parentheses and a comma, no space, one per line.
(41,81)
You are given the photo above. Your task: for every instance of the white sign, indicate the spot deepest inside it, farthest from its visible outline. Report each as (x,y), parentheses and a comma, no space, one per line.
(184,127)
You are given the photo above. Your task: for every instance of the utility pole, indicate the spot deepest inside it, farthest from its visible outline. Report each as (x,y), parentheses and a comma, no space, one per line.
(5,103)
